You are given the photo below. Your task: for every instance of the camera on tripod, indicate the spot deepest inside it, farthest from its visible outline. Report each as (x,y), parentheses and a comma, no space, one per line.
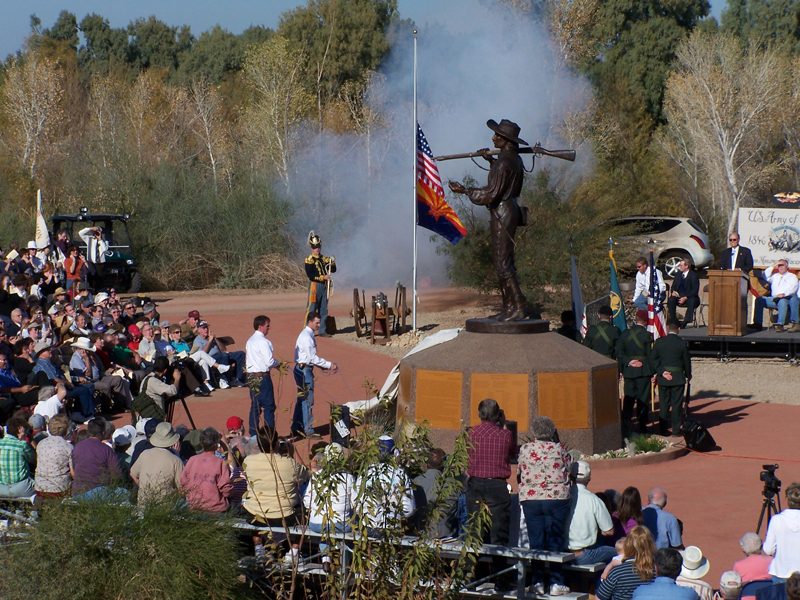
(772,488)
(772,485)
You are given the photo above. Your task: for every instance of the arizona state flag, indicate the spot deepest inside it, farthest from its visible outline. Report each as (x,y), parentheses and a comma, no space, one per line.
(617,307)
(432,211)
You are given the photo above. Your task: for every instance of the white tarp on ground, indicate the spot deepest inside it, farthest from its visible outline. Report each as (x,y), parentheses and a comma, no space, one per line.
(390,387)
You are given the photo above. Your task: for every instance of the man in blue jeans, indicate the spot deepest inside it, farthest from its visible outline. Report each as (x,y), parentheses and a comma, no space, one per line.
(305,358)
(588,519)
(260,360)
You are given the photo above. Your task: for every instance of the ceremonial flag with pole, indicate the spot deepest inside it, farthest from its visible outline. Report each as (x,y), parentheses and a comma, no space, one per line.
(617,306)
(433,212)
(578,307)
(655,313)
(42,235)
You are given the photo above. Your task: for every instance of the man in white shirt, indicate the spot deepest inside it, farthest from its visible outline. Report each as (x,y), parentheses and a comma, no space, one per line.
(783,286)
(260,360)
(587,520)
(643,284)
(96,248)
(305,358)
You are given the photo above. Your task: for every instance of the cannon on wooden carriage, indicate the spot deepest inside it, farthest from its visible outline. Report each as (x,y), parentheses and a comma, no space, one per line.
(386,320)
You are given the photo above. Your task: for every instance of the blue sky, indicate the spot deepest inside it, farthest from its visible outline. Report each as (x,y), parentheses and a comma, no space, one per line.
(233,15)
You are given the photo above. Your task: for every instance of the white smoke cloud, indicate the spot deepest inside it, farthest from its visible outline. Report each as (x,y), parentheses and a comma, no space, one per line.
(475,62)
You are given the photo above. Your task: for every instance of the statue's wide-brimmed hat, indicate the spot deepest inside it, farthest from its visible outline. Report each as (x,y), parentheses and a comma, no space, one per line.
(508,129)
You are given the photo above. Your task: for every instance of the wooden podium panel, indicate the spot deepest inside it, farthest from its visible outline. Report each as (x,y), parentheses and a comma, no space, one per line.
(727,302)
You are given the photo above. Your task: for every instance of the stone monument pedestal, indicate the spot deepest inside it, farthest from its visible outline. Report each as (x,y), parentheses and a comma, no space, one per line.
(528,370)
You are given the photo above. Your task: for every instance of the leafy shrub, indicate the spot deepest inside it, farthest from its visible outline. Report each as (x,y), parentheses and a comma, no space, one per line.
(646,443)
(98,551)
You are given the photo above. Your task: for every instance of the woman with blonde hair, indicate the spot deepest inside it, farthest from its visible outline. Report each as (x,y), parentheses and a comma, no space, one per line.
(637,567)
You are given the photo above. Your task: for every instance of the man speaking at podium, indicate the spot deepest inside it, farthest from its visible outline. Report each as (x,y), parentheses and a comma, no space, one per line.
(736,257)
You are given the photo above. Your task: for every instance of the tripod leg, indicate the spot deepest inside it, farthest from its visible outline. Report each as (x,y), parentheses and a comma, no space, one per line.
(764,505)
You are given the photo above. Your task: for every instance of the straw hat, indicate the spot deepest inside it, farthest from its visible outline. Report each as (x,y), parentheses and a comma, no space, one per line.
(164,436)
(695,565)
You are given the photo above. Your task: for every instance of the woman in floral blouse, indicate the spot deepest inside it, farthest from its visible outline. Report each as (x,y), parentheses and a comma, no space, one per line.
(544,466)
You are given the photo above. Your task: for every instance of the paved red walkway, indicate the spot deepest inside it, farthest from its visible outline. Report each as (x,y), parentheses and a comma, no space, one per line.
(718,498)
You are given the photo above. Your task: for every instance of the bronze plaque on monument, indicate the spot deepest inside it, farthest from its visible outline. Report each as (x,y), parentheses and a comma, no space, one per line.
(605,390)
(509,390)
(564,397)
(438,398)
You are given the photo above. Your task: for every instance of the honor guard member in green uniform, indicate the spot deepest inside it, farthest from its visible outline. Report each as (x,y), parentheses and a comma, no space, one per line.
(633,354)
(603,337)
(673,368)
(318,270)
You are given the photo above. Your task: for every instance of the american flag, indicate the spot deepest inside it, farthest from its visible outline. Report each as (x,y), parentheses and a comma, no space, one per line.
(433,212)
(427,171)
(656,324)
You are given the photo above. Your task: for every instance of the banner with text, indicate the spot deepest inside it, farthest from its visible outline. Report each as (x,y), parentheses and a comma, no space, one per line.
(771,234)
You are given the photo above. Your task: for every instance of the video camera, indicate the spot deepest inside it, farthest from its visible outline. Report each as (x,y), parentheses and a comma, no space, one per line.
(772,485)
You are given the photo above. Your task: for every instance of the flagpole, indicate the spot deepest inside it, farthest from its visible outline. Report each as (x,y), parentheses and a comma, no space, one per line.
(414,197)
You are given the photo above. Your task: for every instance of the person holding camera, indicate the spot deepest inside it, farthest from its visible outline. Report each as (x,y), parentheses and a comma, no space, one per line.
(156,386)
(783,538)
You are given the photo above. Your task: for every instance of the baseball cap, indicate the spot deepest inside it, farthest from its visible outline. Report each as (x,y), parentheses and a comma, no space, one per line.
(100,328)
(141,424)
(150,426)
(149,307)
(87,304)
(202,324)
(122,437)
(233,423)
(581,468)
(194,314)
(37,421)
(730,579)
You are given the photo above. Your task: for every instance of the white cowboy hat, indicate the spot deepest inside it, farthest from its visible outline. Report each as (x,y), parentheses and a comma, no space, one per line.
(100,297)
(695,565)
(84,344)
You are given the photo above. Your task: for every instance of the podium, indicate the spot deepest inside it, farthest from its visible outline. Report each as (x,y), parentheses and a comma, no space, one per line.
(727,302)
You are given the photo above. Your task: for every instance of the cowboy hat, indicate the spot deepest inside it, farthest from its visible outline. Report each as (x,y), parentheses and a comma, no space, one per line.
(507,129)
(84,344)
(164,436)
(42,345)
(695,565)
(59,291)
(100,297)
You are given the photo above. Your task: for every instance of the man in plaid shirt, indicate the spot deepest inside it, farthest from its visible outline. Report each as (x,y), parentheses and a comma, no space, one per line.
(16,458)
(488,470)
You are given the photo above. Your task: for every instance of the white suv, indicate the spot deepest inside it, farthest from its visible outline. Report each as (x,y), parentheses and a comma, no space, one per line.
(675,238)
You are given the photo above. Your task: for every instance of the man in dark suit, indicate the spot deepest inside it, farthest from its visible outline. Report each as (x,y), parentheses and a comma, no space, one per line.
(685,292)
(603,337)
(737,257)
(633,354)
(673,368)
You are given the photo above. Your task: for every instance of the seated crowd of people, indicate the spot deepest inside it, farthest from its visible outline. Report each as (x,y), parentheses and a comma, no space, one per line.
(75,348)
(642,547)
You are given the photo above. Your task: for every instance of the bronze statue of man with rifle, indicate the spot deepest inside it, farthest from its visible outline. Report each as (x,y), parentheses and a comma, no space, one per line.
(500,197)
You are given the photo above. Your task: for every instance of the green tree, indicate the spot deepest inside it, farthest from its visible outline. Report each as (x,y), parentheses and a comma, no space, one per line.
(773,23)
(65,29)
(341,38)
(104,46)
(638,38)
(156,44)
